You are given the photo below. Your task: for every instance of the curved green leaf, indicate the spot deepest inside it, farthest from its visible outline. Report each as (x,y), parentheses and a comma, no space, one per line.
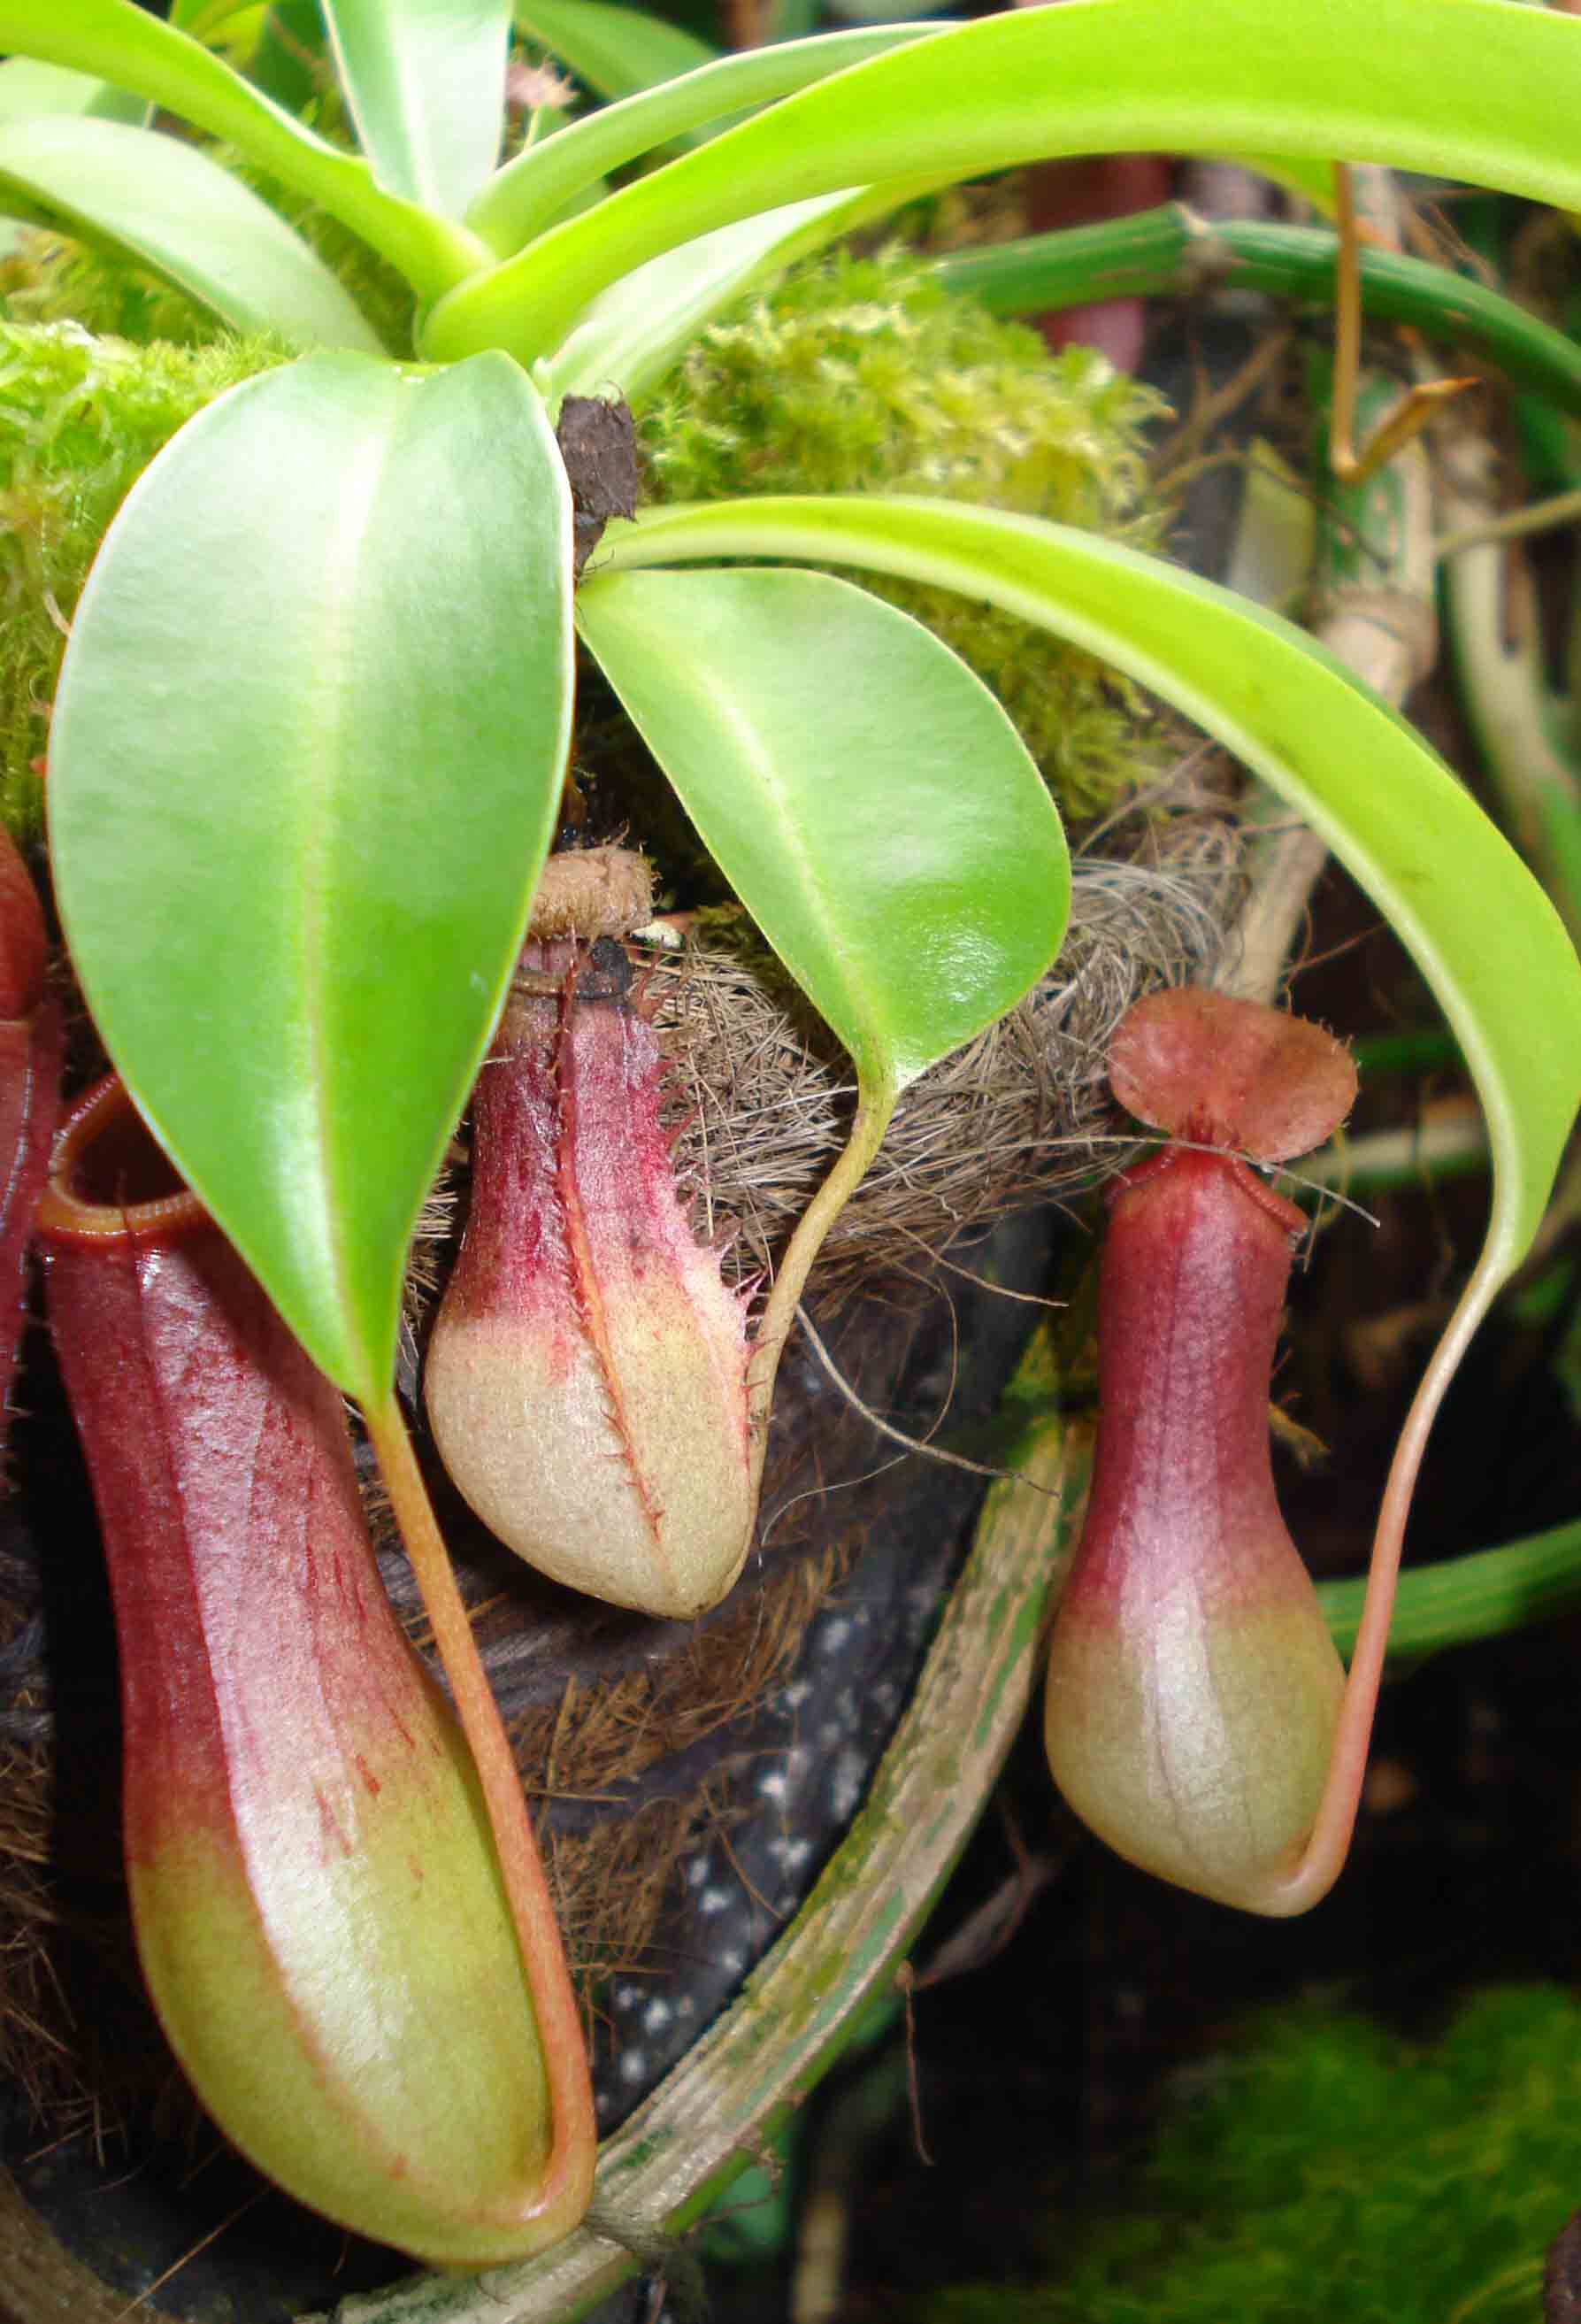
(125,45)
(30,90)
(1481,929)
(426,91)
(1474,88)
(535,187)
(863,792)
(170,208)
(642,324)
(305,761)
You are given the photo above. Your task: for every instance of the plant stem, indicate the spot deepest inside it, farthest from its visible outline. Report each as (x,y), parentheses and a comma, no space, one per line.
(1172,252)
(1456,1148)
(874,1104)
(563,2196)
(1522,728)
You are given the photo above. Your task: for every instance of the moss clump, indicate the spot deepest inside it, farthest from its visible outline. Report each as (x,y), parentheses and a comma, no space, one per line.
(47,278)
(1337,2171)
(79,419)
(867,376)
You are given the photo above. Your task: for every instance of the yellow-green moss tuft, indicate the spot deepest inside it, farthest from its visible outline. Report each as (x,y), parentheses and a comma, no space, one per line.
(46,277)
(80,418)
(867,376)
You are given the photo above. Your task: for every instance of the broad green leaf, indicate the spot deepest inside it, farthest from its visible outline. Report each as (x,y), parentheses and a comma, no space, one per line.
(135,52)
(863,792)
(615,51)
(1481,929)
(306,756)
(535,188)
(1474,88)
(169,206)
(30,90)
(425,85)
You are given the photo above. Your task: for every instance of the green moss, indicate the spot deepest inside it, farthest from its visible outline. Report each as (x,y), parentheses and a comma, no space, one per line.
(865,375)
(47,278)
(1334,2170)
(79,419)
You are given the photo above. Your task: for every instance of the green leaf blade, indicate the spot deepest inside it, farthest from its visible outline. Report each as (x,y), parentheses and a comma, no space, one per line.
(29,91)
(170,208)
(642,324)
(306,758)
(536,186)
(140,53)
(869,800)
(1468,89)
(425,85)
(1481,929)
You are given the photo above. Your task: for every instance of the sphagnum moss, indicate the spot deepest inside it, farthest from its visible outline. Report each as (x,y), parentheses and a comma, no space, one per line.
(80,418)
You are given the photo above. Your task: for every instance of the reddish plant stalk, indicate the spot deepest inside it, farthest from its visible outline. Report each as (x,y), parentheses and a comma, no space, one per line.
(29,1086)
(319,1913)
(1193,1693)
(587,1374)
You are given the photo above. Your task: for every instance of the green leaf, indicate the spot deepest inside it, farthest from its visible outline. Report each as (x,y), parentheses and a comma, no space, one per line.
(865,795)
(426,90)
(641,326)
(287,62)
(29,91)
(169,206)
(615,51)
(305,760)
(535,187)
(1479,927)
(134,51)
(1473,88)
(204,18)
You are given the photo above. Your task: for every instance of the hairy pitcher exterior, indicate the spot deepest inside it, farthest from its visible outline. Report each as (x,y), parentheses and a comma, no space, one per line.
(586,1373)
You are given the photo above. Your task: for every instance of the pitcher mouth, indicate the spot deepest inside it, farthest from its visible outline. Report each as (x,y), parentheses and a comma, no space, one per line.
(109,1182)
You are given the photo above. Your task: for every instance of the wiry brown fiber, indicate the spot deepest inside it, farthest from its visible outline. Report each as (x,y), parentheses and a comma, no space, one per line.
(763,1096)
